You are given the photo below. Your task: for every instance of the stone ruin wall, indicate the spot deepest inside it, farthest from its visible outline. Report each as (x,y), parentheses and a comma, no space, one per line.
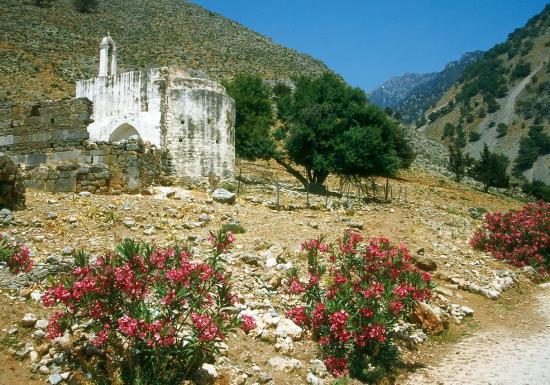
(50,142)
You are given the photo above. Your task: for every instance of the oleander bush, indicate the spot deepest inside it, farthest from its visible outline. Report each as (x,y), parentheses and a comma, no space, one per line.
(154,315)
(521,238)
(355,293)
(16,256)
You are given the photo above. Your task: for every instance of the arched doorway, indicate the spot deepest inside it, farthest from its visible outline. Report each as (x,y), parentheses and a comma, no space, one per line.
(123,132)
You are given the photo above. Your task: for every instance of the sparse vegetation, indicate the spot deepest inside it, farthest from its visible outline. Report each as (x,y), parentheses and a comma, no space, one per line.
(535,144)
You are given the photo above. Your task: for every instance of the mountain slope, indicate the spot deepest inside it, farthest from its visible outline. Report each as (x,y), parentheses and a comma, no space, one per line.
(412,94)
(426,94)
(500,98)
(397,89)
(44,50)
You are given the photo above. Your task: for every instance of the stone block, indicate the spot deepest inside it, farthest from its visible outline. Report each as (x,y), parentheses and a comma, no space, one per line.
(65,185)
(64,156)
(6,140)
(35,159)
(96,159)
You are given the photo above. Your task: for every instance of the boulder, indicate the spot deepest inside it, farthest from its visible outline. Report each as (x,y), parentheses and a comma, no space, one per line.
(430,317)
(223,196)
(424,263)
(12,189)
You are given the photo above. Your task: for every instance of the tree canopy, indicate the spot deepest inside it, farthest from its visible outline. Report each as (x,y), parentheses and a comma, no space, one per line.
(254,117)
(328,127)
(490,169)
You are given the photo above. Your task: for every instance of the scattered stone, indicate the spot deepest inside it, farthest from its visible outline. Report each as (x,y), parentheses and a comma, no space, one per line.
(206,375)
(425,263)
(314,380)
(50,215)
(41,324)
(287,327)
(444,291)
(29,320)
(223,196)
(282,364)
(129,222)
(55,379)
(67,250)
(44,369)
(430,317)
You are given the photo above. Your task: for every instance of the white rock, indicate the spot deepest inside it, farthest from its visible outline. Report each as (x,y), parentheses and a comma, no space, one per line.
(223,196)
(41,324)
(287,327)
(282,364)
(206,375)
(29,320)
(314,380)
(55,379)
(467,311)
(34,356)
(44,369)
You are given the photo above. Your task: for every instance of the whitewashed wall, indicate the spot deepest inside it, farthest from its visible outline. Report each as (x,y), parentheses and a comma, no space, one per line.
(192,118)
(198,127)
(128,98)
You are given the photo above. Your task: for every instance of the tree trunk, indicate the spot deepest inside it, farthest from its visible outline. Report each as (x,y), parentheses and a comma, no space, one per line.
(291,170)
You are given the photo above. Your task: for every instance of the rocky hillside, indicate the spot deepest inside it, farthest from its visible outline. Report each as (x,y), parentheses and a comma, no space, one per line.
(398,88)
(502,100)
(423,96)
(412,94)
(44,50)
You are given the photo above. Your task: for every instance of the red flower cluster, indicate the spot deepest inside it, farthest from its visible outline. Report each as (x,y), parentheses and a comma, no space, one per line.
(16,256)
(148,302)
(519,237)
(370,286)
(248,323)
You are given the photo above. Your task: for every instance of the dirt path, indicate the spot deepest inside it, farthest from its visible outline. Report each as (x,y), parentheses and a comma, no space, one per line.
(500,356)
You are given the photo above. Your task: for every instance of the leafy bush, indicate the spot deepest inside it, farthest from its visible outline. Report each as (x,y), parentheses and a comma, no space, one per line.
(502,130)
(519,237)
(15,255)
(353,297)
(537,189)
(474,136)
(521,70)
(234,228)
(156,313)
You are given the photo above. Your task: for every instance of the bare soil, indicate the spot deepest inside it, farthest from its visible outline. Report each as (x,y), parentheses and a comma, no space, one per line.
(434,216)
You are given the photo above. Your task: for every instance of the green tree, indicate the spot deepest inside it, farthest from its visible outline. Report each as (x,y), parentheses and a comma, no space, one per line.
(490,169)
(43,3)
(85,5)
(535,144)
(502,130)
(254,117)
(460,139)
(328,127)
(459,162)
(448,130)
(474,136)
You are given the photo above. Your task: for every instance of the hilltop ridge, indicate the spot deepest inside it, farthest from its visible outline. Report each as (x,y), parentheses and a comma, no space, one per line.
(43,51)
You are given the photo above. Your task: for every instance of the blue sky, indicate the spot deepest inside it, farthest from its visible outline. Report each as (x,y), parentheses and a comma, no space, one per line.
(369,41)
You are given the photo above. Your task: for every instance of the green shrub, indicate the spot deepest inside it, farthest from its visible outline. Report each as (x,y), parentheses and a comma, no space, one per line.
(234,228)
